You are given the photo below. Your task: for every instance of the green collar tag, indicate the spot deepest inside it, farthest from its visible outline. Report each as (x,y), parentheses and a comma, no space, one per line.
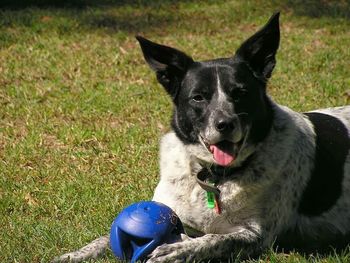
(212,191)
(210,199)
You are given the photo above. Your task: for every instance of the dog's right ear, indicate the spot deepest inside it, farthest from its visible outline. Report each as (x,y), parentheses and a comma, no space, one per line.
(169,64)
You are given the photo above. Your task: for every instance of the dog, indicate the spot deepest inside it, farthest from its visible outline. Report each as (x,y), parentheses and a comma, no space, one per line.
(242,172)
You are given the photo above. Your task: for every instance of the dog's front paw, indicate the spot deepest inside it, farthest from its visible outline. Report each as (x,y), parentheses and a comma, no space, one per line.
(177,252)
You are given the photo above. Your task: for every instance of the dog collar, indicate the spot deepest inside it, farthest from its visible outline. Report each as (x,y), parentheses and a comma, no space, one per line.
(207,180)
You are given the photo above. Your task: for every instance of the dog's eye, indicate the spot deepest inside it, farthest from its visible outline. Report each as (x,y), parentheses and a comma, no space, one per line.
(239,93)
(198,98)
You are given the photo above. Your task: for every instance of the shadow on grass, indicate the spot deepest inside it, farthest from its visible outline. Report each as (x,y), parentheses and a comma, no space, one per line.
(20,20)
(138,20)
(320,8)
(20,4)
(63,16)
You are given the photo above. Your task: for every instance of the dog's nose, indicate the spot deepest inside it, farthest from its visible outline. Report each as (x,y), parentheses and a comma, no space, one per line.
(224,124)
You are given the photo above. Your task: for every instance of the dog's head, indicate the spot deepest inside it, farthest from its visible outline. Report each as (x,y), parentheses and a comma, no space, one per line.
(221,106)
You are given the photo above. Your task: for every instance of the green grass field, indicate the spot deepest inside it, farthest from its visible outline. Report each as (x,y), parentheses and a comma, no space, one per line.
(81,113)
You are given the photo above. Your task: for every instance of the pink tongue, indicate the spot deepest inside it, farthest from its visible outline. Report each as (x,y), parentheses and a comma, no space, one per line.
(222,158)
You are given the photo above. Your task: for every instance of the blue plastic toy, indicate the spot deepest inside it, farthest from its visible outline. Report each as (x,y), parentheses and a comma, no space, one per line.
(141,227)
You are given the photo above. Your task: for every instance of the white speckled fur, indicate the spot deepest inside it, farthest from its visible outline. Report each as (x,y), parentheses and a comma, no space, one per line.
(91,250)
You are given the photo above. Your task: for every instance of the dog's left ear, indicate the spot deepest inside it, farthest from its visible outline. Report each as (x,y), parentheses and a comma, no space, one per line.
(169,64)
(260,49)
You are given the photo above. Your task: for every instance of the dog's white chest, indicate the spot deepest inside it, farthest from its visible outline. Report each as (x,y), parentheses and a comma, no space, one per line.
(179,189)
(190,203)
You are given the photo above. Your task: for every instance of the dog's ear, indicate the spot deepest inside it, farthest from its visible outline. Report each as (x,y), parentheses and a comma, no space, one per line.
(260,49)
(169,64)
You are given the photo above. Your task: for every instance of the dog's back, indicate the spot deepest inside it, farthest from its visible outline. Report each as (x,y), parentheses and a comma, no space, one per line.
(324,209)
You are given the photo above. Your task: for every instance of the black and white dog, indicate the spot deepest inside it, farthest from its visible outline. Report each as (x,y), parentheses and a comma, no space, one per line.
(278,176)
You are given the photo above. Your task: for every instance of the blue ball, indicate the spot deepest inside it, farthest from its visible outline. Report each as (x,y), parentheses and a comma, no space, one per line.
(141,227)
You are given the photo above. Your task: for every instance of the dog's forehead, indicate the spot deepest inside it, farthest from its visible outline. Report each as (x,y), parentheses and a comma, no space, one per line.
(211,73)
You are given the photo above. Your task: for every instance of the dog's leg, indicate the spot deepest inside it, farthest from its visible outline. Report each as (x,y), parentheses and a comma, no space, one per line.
(211,246)
(91,250)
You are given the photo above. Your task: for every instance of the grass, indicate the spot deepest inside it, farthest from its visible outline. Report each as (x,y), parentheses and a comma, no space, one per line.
(81,114)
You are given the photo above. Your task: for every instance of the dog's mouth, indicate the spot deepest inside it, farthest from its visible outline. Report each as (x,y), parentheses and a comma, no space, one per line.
(224,152)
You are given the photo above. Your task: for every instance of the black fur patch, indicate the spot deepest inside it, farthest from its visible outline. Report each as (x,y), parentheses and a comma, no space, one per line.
(332,146)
